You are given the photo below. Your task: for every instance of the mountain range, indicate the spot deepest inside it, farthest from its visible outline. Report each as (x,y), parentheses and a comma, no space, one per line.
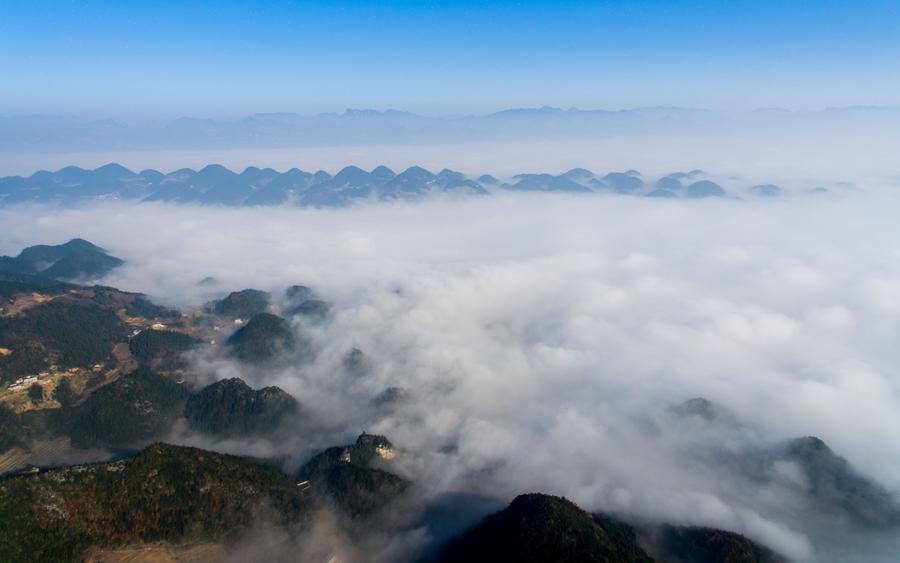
(202,505)
(30,133)
(217,185)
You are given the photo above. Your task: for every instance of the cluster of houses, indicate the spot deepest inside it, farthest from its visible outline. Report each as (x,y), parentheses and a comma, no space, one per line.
(26,381)
(154,326)
(22,382)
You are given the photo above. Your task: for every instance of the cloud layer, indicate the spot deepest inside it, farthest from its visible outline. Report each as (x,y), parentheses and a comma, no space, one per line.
(540,340)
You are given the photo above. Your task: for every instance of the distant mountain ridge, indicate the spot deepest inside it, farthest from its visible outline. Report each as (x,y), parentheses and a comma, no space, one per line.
(216,185)
(27,133)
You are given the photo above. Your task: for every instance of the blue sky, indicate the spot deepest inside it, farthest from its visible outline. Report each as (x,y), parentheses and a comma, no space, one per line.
(169,58)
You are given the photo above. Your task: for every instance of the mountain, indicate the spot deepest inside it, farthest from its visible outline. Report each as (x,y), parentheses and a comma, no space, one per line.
(805,466)
(350,183)
(579,174)
(624,182)
(705,410)
(452,181)
(242,304)
(282,188)
(413,181)
(766,190)
(382,174)
(85,264)
(163,494)
(262,339)
(349,475)
(704,188)
(547,183)
(297,294)
(230,408)
(43,254)
(311,308)
(302,301)
(829,480)
(41,133)
(539,528)
(75,259)
(672,183)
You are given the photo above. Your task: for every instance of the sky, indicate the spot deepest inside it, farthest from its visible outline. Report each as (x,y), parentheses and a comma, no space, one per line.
(163,59)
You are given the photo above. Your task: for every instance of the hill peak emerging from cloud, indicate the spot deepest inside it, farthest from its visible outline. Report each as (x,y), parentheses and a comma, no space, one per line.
(216,185)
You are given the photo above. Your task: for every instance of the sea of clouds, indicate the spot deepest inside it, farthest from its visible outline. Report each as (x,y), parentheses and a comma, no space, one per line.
(541,340)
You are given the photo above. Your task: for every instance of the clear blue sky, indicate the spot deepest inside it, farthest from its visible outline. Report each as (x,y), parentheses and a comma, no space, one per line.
(168,58)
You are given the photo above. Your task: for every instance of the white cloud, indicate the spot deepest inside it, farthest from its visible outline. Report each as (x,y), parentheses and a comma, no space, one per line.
(539,334)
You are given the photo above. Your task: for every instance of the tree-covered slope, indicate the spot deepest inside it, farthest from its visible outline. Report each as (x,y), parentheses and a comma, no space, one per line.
(348,476)
(165,493)
(135,408)
(230,408)
(262,339)
(75,259)
(66,332)
(241,304)
(539,528)
(706,545)
(162,349)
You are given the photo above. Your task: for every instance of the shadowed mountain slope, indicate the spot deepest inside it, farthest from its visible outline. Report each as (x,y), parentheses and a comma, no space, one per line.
(231,408)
